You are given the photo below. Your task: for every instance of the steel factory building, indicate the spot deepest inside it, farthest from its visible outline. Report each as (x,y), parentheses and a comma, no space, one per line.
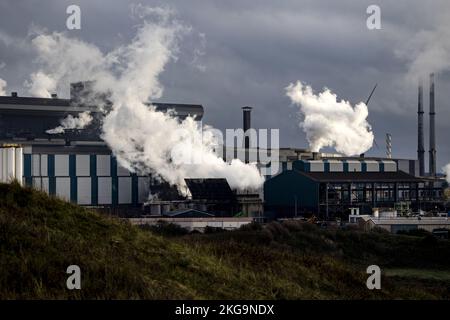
(76,165)
(330,187)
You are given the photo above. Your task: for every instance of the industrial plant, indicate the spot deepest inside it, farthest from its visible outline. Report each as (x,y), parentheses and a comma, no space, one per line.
(76,164)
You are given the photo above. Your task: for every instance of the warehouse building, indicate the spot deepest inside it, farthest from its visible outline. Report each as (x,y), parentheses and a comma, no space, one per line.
(330,187)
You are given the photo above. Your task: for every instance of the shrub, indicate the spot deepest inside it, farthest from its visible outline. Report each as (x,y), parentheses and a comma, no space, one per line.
(251,227)
(415,233)
(166,229)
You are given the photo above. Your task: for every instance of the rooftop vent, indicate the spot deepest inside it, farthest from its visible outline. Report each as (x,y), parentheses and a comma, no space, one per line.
(54,95)
(14,94)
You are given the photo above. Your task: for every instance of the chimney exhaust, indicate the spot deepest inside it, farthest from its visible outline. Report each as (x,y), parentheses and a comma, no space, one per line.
(420,136)
(246,126)
(432,164)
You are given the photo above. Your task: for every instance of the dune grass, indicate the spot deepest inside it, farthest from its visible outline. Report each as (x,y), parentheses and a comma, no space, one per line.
(40,236)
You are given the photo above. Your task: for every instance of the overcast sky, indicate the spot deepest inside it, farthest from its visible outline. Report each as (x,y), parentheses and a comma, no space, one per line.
(246,52)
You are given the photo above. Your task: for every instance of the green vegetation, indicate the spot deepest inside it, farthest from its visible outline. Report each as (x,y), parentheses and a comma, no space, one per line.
(41,236)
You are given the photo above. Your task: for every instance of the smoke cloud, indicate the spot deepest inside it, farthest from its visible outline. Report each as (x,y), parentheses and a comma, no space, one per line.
(328,122)
(2,87)
(41,85)
(447,172)
(71,122)
(143,139)
(428,51)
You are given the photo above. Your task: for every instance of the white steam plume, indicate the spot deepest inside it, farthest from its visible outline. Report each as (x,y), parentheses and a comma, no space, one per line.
(428,51)
(447,172)
(2,87)
(71,122)
(143,139)
(331,123)
(41,85)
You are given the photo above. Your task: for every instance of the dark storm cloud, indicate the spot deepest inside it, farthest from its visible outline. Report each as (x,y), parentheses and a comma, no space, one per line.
(246,52)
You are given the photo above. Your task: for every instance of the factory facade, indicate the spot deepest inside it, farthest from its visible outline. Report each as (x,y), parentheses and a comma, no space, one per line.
(78,166)
(75,165)
(331,187)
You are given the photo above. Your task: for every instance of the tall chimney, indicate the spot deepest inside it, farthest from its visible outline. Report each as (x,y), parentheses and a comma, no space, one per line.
(420,141)
(388,145)
(432,129)
(247,125)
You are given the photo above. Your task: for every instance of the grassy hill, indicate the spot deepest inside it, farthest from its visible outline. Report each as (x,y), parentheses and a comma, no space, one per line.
(40,236)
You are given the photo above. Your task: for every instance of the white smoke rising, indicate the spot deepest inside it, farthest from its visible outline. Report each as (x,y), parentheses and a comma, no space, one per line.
(41,85)
(143,139)
(447,172)
(331,123)
(428,51)
(71,122)
(2,87)
(64,60)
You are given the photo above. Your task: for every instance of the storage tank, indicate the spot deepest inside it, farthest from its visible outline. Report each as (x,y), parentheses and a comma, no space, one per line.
(1,164)
(4,164)
(11,171)
(19,165)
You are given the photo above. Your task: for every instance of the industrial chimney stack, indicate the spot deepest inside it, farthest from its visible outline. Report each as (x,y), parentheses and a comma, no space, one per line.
(432,159)
(420,142)
(388,146)
(247,125)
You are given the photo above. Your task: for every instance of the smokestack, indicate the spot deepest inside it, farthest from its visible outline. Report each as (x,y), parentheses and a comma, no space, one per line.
(388,145)
(432,164)
(420,136)
(246,126)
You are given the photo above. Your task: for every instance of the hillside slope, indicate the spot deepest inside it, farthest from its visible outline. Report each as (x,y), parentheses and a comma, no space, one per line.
(41,236)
